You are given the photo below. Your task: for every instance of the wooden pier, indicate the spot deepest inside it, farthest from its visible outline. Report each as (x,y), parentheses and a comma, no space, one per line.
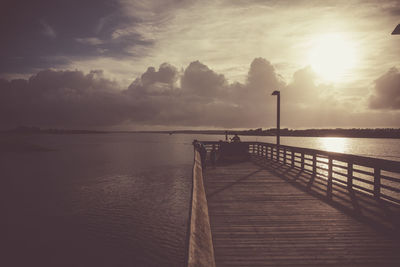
(291,206)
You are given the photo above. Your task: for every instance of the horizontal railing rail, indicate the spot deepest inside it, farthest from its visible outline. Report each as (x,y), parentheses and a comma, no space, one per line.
(200,249)
(377,177)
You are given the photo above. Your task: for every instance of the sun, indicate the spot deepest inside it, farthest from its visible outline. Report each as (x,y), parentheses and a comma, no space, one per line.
(332,56)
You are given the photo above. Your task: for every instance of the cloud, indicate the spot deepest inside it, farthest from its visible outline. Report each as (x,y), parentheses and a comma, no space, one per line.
(48,30)
(90,40)
(198,79)
(195,96)
(125,36)
(262,75)
(303,89)
(198,96)
(154,82)
(386,94)
(85,29)
(62,99)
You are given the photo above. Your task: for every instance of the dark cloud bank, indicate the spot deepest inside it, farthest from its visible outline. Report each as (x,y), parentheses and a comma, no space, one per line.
(196,96)
(46,33)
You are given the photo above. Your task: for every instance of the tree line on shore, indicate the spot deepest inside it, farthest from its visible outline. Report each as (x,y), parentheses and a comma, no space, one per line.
(336,132)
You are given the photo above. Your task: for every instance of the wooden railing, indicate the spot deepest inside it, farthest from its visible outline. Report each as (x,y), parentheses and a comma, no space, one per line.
(376,177)
(200,249)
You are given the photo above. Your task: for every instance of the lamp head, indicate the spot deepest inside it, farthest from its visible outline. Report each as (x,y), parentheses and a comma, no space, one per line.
(396,30)
(276,92)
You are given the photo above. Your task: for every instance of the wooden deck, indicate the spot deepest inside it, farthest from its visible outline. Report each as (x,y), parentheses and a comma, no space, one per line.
(264,215)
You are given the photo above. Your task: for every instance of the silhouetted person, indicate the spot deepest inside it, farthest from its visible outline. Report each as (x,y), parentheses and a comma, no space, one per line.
(235,139)
(226,136)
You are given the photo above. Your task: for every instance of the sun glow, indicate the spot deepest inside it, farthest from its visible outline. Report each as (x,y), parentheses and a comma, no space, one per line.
(334,144)
(332,56)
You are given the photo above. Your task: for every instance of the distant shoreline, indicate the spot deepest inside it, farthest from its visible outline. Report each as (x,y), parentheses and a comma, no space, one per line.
(391,133)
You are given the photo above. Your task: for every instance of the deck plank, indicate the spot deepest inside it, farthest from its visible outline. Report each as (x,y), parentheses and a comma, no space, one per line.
(260,219)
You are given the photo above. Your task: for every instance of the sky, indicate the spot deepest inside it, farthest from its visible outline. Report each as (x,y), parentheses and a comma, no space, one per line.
(176,64)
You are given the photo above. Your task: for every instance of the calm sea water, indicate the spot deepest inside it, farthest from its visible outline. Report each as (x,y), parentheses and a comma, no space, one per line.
(112,199)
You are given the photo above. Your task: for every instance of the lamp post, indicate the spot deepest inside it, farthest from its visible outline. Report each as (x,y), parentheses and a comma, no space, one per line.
(278,115)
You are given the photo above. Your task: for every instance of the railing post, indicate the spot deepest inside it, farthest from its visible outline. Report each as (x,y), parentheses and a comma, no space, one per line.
(266,152)
(314,165)
(329,188)
(349,175)
(284,156)
(377,182)
(292,159)
(272,153)
(302,161)
(277,154)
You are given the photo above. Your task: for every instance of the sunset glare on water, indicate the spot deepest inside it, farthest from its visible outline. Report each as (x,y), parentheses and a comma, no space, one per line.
(334,144)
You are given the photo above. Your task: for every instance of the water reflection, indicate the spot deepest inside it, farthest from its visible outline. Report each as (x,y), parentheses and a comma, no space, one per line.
(334,144)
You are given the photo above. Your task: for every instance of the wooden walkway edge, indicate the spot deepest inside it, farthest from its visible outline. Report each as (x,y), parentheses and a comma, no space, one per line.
(259,217)
(200,248)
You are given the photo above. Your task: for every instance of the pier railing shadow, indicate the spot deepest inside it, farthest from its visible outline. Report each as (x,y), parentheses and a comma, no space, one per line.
(211,194)
(367,189)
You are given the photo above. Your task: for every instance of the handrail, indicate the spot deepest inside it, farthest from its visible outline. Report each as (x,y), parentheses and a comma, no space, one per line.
(372,176)
(200,249)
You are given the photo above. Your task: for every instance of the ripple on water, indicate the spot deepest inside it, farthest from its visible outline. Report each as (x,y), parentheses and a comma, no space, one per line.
(145,211)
